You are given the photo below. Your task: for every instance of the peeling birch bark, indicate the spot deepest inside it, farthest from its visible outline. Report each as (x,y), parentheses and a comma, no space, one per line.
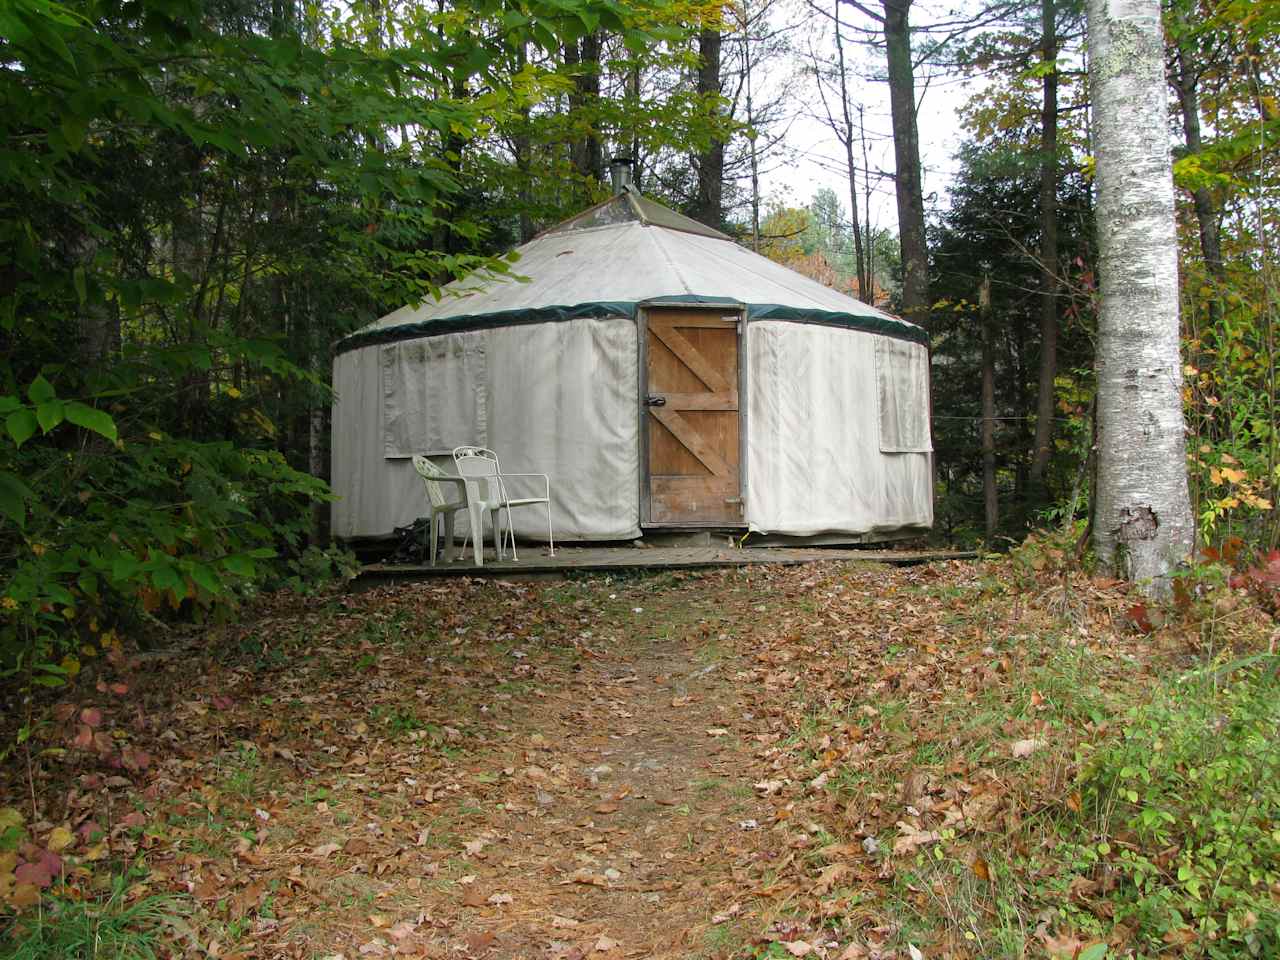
(1142,513)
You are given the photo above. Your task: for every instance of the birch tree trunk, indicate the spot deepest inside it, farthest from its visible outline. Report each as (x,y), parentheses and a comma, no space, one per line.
(1143,525)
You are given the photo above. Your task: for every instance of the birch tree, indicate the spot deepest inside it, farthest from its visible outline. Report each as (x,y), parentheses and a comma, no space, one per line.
(1143,525)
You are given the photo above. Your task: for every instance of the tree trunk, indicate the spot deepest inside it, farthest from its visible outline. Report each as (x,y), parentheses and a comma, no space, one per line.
(586,154)
(1208,224)
(709,204)
(990,500)
(1043,443)
(1143,525)
(751,133)
(906,156)
(863,274)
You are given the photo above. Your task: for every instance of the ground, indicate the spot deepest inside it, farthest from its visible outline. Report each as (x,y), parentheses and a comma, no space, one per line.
(829,760)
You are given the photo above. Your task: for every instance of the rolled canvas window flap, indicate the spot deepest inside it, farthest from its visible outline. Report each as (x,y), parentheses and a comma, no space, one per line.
(902,394)
(433,395)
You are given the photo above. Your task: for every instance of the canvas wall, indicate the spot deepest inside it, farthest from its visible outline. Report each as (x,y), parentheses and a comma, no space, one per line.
(837,431)
(556,398)
(837,428)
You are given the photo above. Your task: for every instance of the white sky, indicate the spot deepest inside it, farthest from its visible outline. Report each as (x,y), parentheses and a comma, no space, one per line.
(814,158)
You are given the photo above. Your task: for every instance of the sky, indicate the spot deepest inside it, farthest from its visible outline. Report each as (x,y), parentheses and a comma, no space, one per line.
(811,157)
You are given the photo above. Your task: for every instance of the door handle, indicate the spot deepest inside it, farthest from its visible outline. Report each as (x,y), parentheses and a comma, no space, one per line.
(654,400)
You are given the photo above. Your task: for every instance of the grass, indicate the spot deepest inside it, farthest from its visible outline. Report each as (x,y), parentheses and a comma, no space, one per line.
(106,929)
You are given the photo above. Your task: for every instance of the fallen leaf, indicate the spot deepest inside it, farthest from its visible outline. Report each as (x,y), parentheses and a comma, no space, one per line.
(798,948)
(325,849)
(585,876)
(59,839)
(473,896)
(981,869)
(563,923)
(1025,748)
(501,899)
(402,930)
(25,895)
(607,808)
(605,944)
(912,838)
(829,876)
(717,732)
(728,915)
(91,716)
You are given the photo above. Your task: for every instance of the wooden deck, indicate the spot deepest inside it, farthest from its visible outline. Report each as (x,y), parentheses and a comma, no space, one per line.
(534,561)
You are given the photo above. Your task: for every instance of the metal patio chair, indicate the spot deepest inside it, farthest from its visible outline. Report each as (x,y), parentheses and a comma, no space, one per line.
(480,465)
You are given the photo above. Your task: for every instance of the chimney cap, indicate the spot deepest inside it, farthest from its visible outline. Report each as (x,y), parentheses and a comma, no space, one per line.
(620,173)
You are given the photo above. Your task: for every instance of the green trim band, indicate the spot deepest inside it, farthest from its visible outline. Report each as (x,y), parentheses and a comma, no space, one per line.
(884,326)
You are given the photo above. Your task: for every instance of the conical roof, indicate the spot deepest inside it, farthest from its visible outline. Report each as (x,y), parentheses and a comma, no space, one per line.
(620,254)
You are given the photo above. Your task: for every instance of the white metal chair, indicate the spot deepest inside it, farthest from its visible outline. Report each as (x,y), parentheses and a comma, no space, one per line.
(481,464)
(433,478)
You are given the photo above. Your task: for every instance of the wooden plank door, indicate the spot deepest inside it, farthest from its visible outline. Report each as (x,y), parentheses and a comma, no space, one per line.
(691,400)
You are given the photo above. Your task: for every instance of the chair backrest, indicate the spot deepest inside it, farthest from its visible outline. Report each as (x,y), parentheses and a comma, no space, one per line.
(428,471)
(477,463)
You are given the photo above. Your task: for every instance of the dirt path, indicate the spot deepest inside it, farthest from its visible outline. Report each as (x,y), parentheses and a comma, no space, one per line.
(624,814)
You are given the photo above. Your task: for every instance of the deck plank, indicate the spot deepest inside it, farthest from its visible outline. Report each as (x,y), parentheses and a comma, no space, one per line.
(534,560)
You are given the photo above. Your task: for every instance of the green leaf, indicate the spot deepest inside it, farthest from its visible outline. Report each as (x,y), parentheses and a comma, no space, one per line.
(9,403)
(21,425)
(14,495)
(91,418)
(124,566)
(241,566)
(50,414)
(77,275)
(206,577)
(165,577)
(1095,952)
(41,390)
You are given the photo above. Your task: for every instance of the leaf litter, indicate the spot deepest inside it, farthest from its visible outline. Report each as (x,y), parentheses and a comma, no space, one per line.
(479,769)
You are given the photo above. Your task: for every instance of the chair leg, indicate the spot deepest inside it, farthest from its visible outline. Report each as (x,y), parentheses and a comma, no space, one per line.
(495,521)
(448,535)
(435,529)
(477,536)
(512,527)
(551,537)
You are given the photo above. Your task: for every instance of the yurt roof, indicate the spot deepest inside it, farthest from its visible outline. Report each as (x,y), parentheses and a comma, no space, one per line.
(616,256)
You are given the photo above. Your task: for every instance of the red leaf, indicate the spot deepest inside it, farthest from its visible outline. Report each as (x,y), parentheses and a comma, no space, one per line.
(83,740)
(91,716)
(1138,614)
(34,873)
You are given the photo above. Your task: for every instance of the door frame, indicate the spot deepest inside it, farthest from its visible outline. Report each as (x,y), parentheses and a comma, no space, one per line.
(642,410)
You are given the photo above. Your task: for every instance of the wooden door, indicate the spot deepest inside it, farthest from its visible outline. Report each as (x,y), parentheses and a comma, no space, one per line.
(691,401)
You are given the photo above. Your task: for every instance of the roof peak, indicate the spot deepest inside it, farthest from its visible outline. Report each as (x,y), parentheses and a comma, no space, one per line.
(630,206)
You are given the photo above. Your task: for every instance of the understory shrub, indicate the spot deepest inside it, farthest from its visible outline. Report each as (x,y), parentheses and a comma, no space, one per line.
(1186,805)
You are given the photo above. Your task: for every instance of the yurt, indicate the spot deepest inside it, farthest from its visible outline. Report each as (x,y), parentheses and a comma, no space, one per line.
(664,377)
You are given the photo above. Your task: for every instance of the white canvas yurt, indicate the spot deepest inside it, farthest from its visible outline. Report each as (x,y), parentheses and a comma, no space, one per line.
(663,376)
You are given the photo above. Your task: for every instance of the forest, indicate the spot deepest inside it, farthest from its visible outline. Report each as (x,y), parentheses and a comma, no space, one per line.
(199,198)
